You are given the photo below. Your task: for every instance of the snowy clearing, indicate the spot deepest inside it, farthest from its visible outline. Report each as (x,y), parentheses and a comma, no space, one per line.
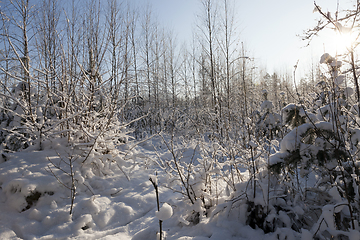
(35,205)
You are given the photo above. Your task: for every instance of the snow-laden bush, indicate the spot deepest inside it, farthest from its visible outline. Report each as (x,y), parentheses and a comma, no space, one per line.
(318,163)
(88,126)
(269,123)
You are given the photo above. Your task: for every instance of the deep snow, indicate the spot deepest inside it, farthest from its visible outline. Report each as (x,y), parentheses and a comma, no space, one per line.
(106,207)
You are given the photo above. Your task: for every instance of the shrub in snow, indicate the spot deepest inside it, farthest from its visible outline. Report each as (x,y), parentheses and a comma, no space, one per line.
(14,132)
(91,131)
(293,115)
(269,123)
(316,166)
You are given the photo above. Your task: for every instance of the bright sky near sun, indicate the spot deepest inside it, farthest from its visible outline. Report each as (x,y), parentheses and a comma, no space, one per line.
(269,28)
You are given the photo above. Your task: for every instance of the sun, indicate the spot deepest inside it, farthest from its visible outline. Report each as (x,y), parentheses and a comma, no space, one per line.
(344,42)
(336,42)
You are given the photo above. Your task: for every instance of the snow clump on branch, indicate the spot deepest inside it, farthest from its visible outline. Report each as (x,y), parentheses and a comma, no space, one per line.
(326,58)
(165,212)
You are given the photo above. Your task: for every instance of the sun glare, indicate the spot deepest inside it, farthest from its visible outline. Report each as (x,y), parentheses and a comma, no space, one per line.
(343,42)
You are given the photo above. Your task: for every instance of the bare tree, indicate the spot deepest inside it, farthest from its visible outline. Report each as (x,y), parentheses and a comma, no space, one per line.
(20,14)
(172,66)
(48,42)
(209,30)
(113,30)
(95,52)
(227,43)
(133,19)
(186,68)
(147,33)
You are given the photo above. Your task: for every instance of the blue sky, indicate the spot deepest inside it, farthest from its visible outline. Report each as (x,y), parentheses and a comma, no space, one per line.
(269,28)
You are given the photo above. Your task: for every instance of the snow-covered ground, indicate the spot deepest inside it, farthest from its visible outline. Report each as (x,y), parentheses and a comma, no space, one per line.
(35,200)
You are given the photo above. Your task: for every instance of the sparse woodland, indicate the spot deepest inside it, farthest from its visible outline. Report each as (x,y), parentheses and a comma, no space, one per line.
(95,79)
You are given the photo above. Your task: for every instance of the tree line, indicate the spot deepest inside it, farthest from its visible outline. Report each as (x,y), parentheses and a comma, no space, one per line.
(66,61)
